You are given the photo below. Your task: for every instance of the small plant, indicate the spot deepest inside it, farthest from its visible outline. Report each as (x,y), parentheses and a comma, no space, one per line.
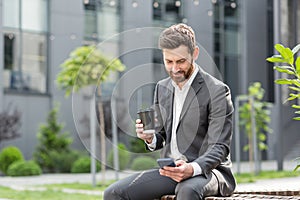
(262,118)
(51,142)
(24,168)
(8,156)
(124,156)
(290,65)
(143,163)
(83,165)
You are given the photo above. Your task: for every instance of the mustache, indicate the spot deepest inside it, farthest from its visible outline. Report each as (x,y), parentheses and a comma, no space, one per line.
(178,72)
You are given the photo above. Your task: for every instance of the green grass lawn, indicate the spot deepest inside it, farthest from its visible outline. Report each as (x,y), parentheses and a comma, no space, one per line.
(249,178)
(54,191)
(43,195)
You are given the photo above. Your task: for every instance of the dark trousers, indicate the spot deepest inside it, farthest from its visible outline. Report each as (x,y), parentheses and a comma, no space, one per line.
(151,185)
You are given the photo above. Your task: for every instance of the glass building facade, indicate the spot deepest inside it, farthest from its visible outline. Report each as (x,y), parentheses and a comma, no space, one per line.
(25,29)
(101,28)
(227,39)
(38,35)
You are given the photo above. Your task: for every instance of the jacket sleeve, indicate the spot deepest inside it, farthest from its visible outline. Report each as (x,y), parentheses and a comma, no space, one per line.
(219,131)
(159,125)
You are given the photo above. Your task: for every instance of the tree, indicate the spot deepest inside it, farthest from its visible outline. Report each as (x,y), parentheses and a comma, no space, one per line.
(88,66)
(290,66)
(52,142)
(262,118)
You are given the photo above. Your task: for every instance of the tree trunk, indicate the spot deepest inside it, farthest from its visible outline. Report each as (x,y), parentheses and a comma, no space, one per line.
(102,136)
(250,139)
(251,153)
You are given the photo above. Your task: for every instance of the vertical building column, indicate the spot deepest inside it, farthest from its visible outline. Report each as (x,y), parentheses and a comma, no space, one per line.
(278,92)
(136,51)
(65,34)
(1,58)
(199,15)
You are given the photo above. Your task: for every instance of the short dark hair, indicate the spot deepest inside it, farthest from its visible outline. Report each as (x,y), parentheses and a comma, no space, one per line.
(177,35)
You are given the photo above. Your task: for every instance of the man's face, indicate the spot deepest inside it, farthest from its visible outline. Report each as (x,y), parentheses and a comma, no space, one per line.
(178,63)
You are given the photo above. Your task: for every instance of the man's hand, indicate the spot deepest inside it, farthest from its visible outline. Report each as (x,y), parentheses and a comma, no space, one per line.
(147,137)
(182,171)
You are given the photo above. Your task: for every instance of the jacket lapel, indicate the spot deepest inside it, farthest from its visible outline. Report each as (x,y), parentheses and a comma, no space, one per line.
(169,99)
(194,89)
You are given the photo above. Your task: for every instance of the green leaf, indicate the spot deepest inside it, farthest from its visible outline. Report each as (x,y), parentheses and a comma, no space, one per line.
(296,82)
(296,49)
(283,70)
(294,88)
(296,106)
(293,96)
(298,66)
(284,81)
(286,53)
(296,118)
(297,112)
(276,59)
(287,67)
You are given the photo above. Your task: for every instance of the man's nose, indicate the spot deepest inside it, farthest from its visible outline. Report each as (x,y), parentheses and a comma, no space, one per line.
(175,67)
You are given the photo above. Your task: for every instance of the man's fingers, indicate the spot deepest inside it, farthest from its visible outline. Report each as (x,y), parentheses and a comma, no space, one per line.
(173,175)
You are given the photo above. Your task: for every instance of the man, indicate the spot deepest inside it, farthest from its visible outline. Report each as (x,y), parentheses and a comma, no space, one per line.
(194,113)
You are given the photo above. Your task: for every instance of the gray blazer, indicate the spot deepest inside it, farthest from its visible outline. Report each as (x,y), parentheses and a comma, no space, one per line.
(204,130)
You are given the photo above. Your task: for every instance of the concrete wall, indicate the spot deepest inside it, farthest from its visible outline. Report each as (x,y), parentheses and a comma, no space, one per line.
(65,34)
(136,53)
(66,30)
(197,17)
(254,34)
(33,109)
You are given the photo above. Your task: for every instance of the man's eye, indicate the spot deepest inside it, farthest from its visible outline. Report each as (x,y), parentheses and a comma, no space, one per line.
(181,61)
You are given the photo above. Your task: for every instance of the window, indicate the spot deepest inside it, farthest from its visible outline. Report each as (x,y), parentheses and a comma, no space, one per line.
(226,40)
(99,14)
(25,45)
(167,11)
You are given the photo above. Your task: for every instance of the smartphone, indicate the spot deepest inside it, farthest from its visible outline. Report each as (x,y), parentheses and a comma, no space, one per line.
(166,162)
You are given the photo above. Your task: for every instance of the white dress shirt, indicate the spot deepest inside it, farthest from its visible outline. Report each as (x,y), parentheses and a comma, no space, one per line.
(179,98)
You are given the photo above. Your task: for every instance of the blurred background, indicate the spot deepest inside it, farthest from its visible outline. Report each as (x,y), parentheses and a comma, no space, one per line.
(37,36)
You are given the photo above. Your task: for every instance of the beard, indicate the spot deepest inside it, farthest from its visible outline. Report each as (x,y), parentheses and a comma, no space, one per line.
(181,75)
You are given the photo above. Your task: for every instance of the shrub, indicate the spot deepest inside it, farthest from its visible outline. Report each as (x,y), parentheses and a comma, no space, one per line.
(52,142)
(143,163)
(137,146)
(124,156)
(24,168)
(83,165)
(63,161)
(8,156)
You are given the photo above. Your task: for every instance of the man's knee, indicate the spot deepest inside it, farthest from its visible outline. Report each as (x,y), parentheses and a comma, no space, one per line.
(187,191)
(112,193)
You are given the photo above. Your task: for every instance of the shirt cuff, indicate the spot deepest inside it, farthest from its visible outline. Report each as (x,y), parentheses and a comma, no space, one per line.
(197,169)
(152,146)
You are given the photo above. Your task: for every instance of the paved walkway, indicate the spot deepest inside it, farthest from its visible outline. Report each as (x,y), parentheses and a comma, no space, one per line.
(37,182)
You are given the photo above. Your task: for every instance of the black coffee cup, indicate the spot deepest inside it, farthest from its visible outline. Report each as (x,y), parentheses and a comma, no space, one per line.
(147,118)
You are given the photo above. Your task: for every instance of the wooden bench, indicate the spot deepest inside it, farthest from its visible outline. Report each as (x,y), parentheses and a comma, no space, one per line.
(293,194)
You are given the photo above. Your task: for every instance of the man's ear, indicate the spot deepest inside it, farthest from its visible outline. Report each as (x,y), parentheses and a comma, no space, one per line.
(196,53)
